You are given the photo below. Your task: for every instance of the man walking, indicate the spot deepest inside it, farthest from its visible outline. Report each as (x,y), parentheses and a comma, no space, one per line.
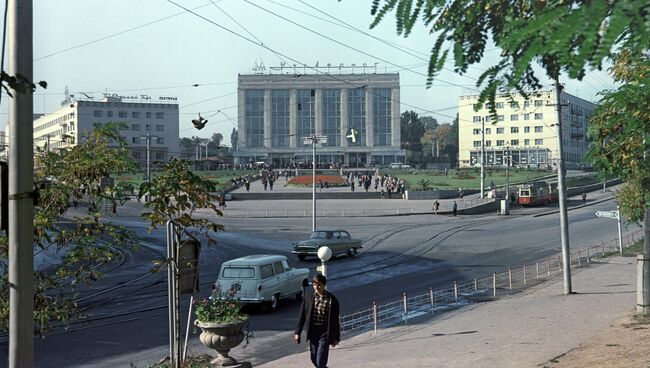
(454,209)
(320,309)
(436,205)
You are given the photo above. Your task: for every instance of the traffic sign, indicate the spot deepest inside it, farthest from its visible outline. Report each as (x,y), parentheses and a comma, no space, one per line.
(607,214)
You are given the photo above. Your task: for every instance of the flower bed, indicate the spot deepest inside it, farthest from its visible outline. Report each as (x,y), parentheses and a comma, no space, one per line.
(305,180)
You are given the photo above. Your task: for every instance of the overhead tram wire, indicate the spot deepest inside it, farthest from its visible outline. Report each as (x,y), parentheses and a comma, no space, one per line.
(343,44)
(114,34)
(294,60)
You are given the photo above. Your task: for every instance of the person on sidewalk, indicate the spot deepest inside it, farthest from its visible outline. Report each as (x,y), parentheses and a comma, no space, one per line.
(584,198)
(454,209)
(436,205)
(320,310)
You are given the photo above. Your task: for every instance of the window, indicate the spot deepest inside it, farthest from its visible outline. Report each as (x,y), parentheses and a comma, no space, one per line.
(500,142)
(539,129)
(135,114)
(514,117)
(121,114)
(488,130)
(538,116)
(98,113)
(538,103)
(477,143)
(539,142)
(514,130)
(526,116)
(526,142)
(266,271)
(488,105)
(135,127)
(238,273)
(514,142)
(514,104)
(500,118)
(277,267)
(488,143)
(109,114)
(160,140)
(136,155)
(160,156)
(476,119)
(135,140)
(476,131)
(526,129)
(526,104)
(499,105)
(160,115)
(499,130)
(147,114)
(123,127)
(147,127)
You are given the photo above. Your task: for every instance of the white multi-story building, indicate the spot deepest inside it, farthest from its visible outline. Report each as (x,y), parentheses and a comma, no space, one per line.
(526,128)
(68,125)
(276,113)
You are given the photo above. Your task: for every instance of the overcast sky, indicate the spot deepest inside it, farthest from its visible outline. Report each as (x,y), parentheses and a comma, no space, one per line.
(158,48)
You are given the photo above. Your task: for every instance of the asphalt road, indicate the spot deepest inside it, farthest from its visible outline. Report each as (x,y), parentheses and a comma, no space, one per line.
(127,312)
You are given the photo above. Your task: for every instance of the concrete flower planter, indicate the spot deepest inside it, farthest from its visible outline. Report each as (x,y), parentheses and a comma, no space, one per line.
(222,337)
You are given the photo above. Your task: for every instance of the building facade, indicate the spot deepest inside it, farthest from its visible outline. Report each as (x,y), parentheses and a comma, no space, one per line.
(525,128)
(71,123)
(277,112)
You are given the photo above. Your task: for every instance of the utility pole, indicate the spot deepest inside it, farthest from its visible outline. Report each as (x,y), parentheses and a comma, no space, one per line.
(561,186)
(482,156)
(21,172)
(507,161)
(643,261)
(314,140)
(147,197)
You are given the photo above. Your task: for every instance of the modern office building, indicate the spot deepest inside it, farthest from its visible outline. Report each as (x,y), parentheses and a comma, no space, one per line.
(72,122)
(277,112)
(526,128)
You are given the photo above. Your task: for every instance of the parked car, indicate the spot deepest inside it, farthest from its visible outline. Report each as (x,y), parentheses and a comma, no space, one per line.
(263,278)
(339,241)
(399,165)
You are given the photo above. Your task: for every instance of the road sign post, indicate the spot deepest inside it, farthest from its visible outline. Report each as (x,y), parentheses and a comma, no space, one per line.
(614,215)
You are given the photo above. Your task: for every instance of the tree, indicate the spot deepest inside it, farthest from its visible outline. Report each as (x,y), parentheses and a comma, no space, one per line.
(411,131)
(560,36)
(233,139)
(619,129)
(68,175)
(217,138)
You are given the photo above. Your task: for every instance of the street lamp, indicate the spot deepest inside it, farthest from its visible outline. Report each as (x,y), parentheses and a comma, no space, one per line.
(148,139)
(314,140)
(324,253)
(482,156)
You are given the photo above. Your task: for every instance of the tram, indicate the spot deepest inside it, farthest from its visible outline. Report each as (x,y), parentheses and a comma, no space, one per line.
(537,193)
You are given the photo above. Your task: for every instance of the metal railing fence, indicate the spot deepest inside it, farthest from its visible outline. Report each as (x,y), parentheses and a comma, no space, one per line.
(512,280)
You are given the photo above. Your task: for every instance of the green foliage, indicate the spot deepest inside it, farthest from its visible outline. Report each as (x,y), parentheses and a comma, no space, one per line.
(72,175)
(559,35)
(220,307)
(18,83)
(424,184)
(176,194)
(620,130)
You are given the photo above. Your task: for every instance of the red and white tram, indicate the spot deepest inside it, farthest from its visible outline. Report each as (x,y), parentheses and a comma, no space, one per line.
(537,193)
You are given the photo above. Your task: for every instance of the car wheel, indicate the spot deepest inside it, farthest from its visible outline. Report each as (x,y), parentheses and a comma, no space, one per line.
(351,252)
(275,301)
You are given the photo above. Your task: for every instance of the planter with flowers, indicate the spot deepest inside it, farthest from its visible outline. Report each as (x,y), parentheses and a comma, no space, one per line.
(222,324)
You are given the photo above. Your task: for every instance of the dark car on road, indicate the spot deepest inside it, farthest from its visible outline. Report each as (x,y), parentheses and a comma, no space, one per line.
(339,241)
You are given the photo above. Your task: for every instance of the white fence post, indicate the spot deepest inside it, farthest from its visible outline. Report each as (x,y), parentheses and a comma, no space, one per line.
(588,256)
(433,299)
(374,315)
(455,292)
(548,267)
(475,284)
(579,256)
(494,284)
(406,318)
(509,278)
(537,270)
(524,274)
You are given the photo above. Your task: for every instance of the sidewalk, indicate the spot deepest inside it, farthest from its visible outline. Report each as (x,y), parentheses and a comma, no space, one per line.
(535,328)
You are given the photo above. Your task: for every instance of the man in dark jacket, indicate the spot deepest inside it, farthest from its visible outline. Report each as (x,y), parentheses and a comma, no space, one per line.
(320,309)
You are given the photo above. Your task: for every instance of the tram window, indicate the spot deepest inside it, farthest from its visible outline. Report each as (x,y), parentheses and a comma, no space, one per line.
(524,193)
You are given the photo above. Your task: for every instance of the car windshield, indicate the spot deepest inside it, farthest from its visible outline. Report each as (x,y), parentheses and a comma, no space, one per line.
(238,272)
(321,235)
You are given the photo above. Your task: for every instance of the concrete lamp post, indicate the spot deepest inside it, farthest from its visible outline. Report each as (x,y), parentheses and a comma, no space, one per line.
(324,253)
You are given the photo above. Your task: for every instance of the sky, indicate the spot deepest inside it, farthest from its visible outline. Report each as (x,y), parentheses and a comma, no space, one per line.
(194,50)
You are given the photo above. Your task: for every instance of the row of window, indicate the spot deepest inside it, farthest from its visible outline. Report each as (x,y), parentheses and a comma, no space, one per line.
(123,114)
(513,142)
(513,117)
(159,155)
(147,127)
(500,130)
(156,140)
(515,104)
(58,121)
